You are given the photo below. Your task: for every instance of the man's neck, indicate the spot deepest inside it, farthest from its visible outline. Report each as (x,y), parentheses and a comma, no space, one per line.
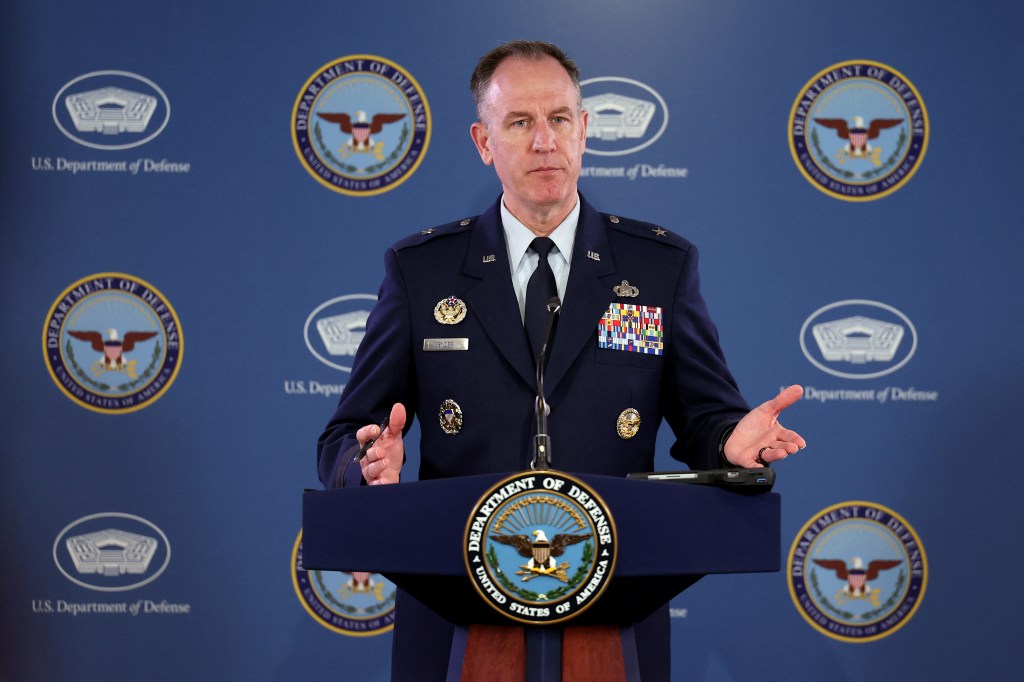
(543,221)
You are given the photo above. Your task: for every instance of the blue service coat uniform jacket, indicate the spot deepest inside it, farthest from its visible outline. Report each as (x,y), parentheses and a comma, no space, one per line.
(493,382)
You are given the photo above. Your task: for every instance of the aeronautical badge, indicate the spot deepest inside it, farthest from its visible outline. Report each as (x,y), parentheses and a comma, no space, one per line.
(626,290)
(450,417)
(857,572)
(858,130)
(628,423)
(633,328)
(450,310)
(540,547)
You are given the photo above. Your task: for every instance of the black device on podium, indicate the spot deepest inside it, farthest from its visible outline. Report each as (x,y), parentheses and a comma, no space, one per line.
(669,536)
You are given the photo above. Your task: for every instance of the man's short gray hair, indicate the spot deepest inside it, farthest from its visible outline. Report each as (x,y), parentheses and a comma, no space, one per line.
(529,50)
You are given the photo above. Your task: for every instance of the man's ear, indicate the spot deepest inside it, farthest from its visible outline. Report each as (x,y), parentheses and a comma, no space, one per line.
(482,140)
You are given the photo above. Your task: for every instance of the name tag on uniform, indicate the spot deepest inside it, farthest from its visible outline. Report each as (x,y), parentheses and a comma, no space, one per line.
(445,344)
(632,328)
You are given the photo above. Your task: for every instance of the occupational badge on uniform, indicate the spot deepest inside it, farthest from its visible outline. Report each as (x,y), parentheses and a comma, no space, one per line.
(628,423)
(626,290)
(450,310)
(450,417)
(633,328)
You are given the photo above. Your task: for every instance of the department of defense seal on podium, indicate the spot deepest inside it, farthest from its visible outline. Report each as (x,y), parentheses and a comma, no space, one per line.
(540,547)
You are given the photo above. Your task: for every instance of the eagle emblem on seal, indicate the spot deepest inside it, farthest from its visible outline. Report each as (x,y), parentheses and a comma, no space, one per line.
(542,553)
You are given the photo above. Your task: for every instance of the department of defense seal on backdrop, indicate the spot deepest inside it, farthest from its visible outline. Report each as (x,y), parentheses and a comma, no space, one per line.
(361,125)
(858,130)
(112,343)
(857,571)
(354,603)
(540,547)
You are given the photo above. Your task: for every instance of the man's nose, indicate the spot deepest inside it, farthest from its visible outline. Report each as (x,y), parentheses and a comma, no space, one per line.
(543,137)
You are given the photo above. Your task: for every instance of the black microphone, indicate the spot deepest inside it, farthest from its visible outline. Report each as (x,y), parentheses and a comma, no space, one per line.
(542,442)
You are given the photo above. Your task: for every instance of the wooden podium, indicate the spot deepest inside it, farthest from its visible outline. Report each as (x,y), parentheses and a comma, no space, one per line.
(669,536)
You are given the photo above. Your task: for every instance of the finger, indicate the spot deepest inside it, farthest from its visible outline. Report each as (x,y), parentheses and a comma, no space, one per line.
(787,436)
(366,465)
(785,448)
(785,398)
(774,453)
(398,417)
(366,433)
(375,466)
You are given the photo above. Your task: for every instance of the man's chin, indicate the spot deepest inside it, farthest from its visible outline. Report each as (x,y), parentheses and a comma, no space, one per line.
(554,194)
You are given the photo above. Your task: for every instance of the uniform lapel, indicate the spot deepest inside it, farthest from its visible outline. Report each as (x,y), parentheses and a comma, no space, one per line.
(493,300)
(587,296)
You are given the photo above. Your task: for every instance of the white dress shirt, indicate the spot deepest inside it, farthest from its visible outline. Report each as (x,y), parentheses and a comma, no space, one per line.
(523,261)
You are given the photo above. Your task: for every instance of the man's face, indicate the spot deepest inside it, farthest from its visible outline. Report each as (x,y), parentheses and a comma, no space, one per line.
(534,134)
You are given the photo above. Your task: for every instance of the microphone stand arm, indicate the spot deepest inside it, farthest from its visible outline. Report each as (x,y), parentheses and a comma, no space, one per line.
(542,441)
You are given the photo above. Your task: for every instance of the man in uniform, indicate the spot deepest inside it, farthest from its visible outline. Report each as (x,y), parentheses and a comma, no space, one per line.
(456,332)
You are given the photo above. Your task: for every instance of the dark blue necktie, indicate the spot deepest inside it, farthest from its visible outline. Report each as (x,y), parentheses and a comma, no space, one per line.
(539,290)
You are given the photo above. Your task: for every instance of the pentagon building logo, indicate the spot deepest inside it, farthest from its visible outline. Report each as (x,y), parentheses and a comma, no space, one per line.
(341,334)
(625,115)
(858,339)
(111,552)
(335,328)
(613,117)
(111,110)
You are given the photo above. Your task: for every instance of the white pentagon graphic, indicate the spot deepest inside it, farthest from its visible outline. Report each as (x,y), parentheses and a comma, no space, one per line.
(110,110)
(858,340)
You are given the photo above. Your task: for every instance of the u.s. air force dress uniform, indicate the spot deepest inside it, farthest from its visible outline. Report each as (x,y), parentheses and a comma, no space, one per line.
(633,344)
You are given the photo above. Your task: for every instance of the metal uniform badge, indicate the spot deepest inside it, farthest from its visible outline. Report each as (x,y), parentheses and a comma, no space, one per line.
(450,417)
(626,290)
(450,310)
(628,423)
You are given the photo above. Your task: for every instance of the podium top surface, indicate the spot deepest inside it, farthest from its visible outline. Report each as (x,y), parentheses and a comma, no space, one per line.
(663,529)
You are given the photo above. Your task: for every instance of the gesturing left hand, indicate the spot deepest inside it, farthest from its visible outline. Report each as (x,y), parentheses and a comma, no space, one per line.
(759,438)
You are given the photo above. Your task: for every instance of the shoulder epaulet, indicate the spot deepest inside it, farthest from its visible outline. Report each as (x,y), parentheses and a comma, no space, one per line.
(424,236)
(639,228)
